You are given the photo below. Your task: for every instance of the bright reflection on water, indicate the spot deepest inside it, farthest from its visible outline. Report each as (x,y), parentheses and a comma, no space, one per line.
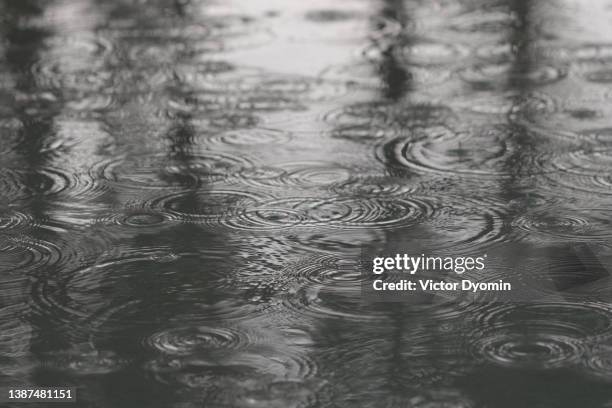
(187,185)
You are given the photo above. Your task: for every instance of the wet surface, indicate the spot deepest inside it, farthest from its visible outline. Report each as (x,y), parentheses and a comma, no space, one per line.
(186,187)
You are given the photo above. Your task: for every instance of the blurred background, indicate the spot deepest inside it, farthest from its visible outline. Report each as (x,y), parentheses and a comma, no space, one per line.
(186,188)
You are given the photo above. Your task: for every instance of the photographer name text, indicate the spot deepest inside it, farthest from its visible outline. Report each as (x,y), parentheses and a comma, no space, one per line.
(403,263)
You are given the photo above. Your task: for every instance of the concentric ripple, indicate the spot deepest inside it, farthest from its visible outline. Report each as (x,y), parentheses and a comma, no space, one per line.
(28,254)
(251,137)
(79,297)
(467,224)
(263,365)
(315,174)
(542,336)
(161,171)
(214,207)
(64,183)
(327,270)
(586,170)
(570,224)
(374,186)
(197,339)
(341,212)
(12,220)
(484,152)
(363,113)
(303,175)
(535,351)
(598,362)
(266,217)
(326,287)
(134,218)
(364,134)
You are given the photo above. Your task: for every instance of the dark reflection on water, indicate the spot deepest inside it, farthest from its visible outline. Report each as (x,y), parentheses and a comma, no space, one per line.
(186,187)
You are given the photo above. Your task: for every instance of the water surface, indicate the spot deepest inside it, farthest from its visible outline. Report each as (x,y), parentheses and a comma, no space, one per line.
(186,188)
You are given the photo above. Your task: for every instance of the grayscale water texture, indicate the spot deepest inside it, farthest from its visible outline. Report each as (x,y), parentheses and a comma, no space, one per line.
(186,188)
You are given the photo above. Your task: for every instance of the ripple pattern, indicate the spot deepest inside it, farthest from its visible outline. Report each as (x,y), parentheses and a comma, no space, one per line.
(188,190)
(191,340)
(161,171)
(539,336)
(583,170)
(578,224)
(472,153)
(344,213)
